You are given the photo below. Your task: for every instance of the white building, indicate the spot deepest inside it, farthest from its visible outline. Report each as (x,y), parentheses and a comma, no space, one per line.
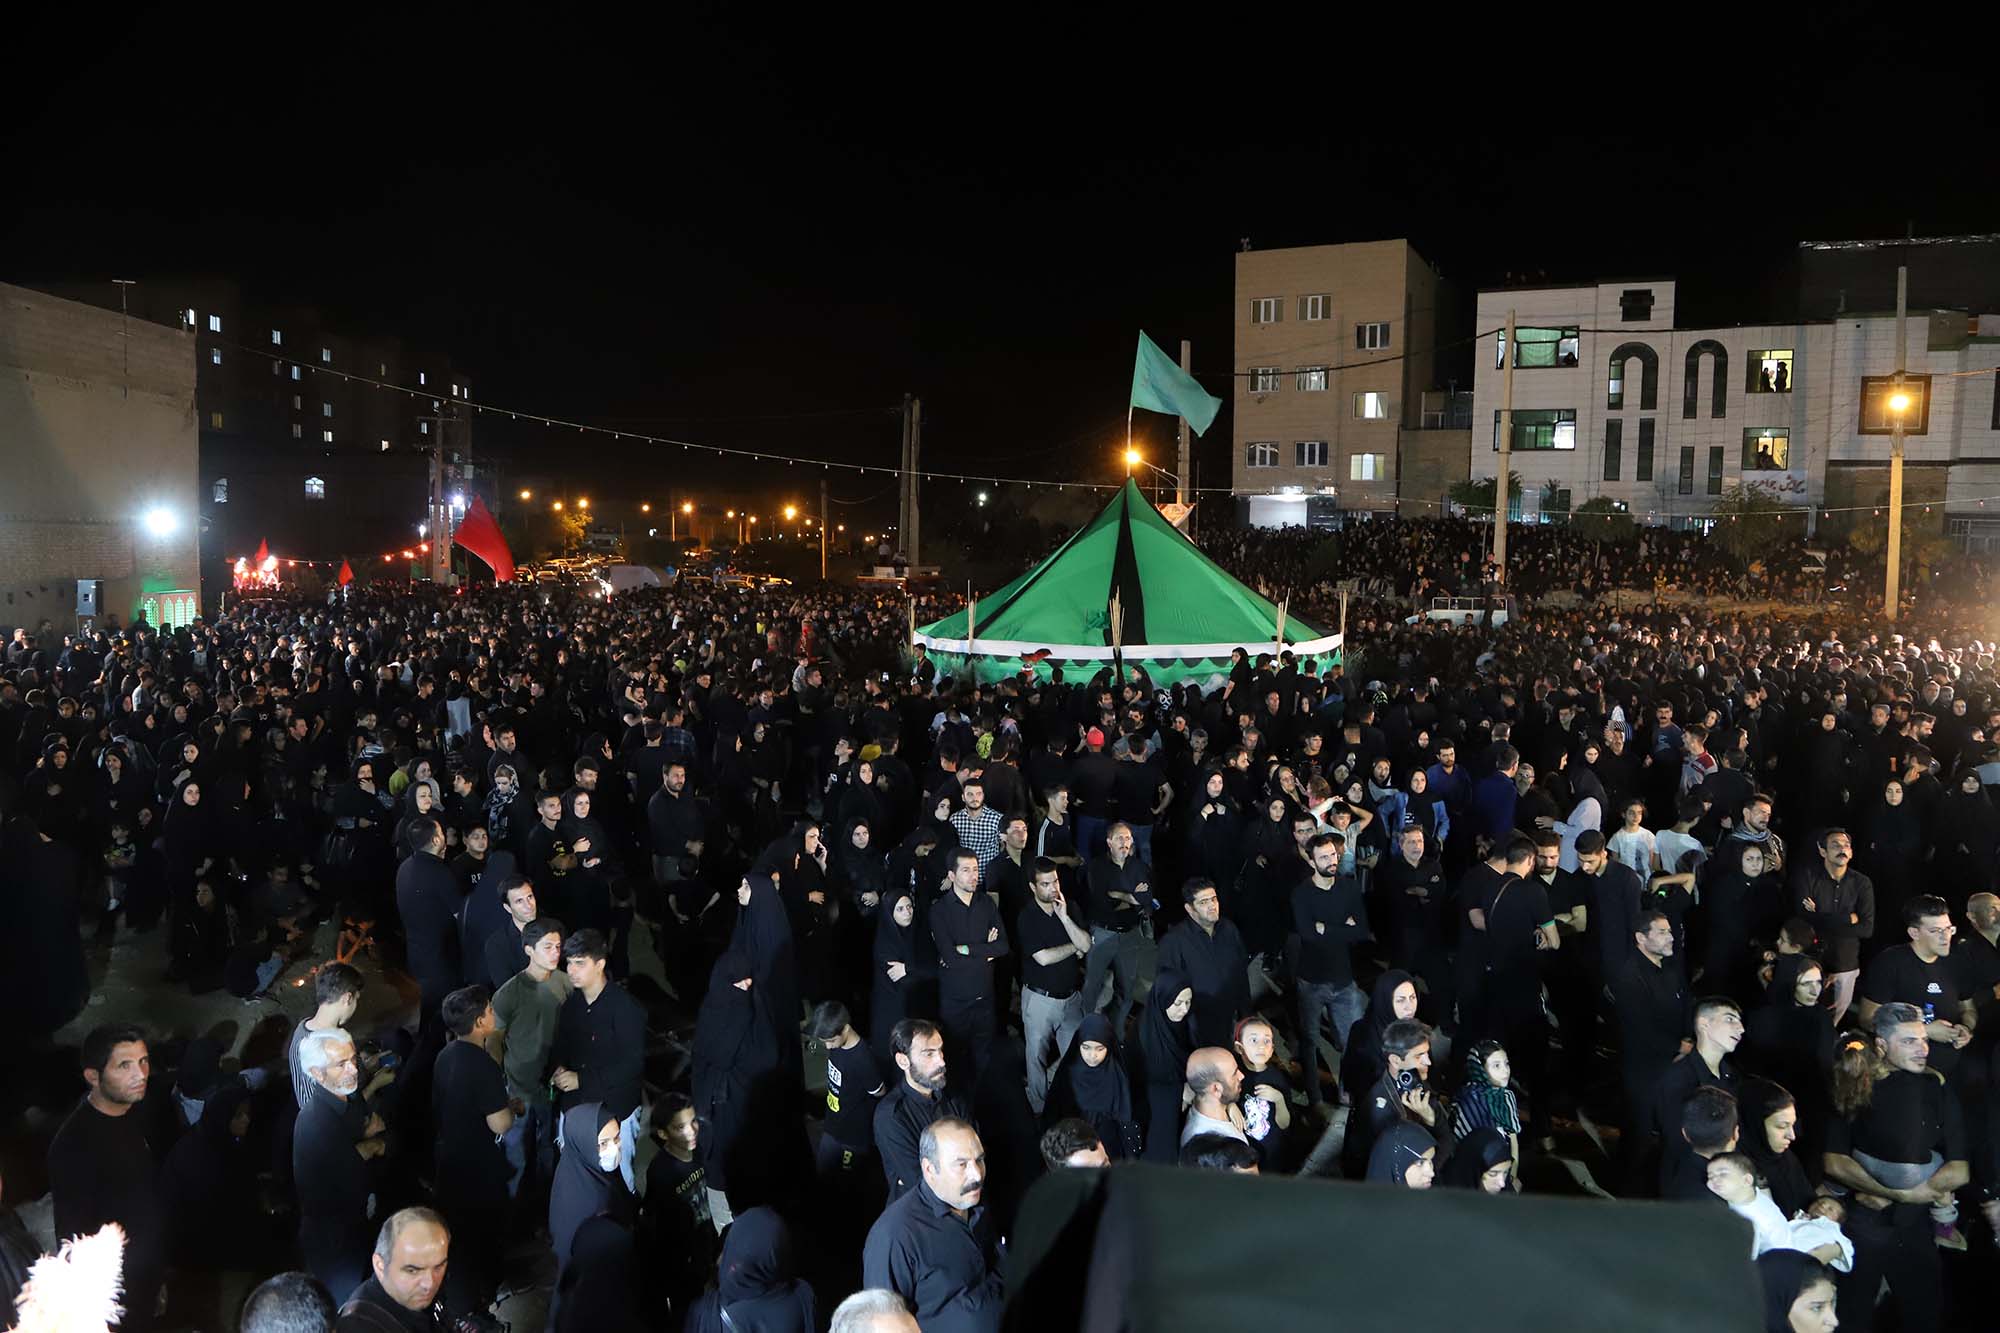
(1610,398)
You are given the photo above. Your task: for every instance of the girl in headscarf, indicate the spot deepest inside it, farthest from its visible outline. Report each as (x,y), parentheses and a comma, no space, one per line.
(763,934)
(1799,1293)
(736,1065)
(587,1184)
(904,986)
(1393,996)
(598,1293)
(1090,1084)
(419,802)
(1484,1099)
(1585,812)
(589,885)
(859,801)
(1790,1039)
(1891,851)
(1271,866)
(757,1290)
(1483,1160)
(798,863)
(1405,1154)
(1966,839)
(1738,907)
(1215,836)
(1165,1043)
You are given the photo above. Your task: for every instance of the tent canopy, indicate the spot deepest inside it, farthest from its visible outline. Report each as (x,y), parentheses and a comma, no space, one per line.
(1182,613)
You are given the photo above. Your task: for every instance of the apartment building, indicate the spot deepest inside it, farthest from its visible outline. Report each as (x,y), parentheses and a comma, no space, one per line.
(1335,345)
(1612,398)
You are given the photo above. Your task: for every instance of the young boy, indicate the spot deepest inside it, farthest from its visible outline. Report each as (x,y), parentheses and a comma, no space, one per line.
(1634,845)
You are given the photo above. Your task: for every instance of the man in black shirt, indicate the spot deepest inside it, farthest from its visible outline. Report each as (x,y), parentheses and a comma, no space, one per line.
(600,1041)
(1052,951)
(503,954)
(1926,973)
(406,1294)
(1839,901)
(934,1247)
(965,923)
(1330,917)
(845,1154)
(1718,1029)
(336,1137)
(1141,792)
(1208,950)
(104,1163)
(1903,1151)
(1650,1000)
(1119,892)
(1611,903)
(1704,1126)
(470,1111)
(482,911)
(918,1098)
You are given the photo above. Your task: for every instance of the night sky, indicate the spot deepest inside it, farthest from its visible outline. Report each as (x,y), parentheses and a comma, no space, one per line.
(763,230)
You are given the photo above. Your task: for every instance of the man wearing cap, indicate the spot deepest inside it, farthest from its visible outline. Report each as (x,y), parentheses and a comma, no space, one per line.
(1093,782)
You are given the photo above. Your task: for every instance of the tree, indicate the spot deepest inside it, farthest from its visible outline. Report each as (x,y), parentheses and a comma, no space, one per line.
(1476,496)
(1604,519)
(1752,522)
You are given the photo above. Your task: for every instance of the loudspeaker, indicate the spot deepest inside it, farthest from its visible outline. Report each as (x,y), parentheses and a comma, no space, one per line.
(89,596)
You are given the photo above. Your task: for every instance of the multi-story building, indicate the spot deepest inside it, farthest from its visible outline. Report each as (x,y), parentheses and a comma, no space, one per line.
(1335,345)
(302,446)
(1612,398)
(97,465)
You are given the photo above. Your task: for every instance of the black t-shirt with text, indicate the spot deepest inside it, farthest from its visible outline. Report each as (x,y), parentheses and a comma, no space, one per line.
(853,1085)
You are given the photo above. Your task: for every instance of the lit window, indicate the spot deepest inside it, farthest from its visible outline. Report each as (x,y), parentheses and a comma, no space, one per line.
(454,391)
(1371,337)
(1264,379)
(214,323)
(1770,371)
(1311,453)
(298,403)
(326,436)
(215,356)
(1312,379)
(219,492)
(277,338)
(423,427)
(298,431)
(382,369)
(315,488)
(215,421)
(1551,428)
(1539,348)
(421,379)
(326,355)
(385,446)
(1267,310)
(326,409)
(295,372)
(187,316)
(1262,453)
(1767,450)
(1371,406)
(1368,467)
(1312,307)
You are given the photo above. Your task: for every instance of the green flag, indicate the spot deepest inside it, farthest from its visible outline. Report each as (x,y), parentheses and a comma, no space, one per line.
(1159,385)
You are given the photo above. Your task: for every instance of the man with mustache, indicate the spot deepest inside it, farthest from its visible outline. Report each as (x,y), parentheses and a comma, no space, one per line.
(333,1145)
(934,1246)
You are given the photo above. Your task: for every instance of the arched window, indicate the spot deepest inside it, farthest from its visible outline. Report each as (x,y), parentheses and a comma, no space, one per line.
(1649,377)
(1691,384)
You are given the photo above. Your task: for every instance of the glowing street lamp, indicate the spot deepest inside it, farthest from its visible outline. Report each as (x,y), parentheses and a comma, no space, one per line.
(791,512)
(645,508)
(527,495)
(557,506)
(1131,460)
(160,521)
(583,502)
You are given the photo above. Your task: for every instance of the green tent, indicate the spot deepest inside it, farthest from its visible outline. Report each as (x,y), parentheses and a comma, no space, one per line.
(1181,613)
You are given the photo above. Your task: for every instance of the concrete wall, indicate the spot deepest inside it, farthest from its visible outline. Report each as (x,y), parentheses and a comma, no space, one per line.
(89,442)
(1363,283)
(1433,461)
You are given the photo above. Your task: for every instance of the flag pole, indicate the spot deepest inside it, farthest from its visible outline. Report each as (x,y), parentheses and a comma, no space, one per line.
(1117,641)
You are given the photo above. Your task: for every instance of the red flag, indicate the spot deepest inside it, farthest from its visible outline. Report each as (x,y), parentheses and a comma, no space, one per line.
(263,554)
(346,575)
(479,534)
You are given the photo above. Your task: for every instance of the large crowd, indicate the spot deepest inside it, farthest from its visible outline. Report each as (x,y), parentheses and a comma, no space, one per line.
(746,967)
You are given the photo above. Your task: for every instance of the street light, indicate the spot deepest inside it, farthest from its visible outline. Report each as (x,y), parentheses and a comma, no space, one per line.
(1899,402)
(645,508)
(1131,460)
(557,506)
(583,503)
(160,521)
(791,512)
(527,495)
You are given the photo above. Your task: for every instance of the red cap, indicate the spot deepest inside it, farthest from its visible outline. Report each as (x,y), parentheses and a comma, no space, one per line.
(1094,736)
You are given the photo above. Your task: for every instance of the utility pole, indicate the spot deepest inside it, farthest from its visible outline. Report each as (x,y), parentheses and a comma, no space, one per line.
(125,329)
(1500,496)
(822,529)
(1181,472)
(1892,592)
(916,485)
(439,523)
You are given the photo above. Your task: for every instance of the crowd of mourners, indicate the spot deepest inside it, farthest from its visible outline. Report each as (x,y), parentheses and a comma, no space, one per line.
(743,962)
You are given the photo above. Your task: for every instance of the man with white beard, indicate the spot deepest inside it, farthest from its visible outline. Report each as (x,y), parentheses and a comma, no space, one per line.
(334,1148)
